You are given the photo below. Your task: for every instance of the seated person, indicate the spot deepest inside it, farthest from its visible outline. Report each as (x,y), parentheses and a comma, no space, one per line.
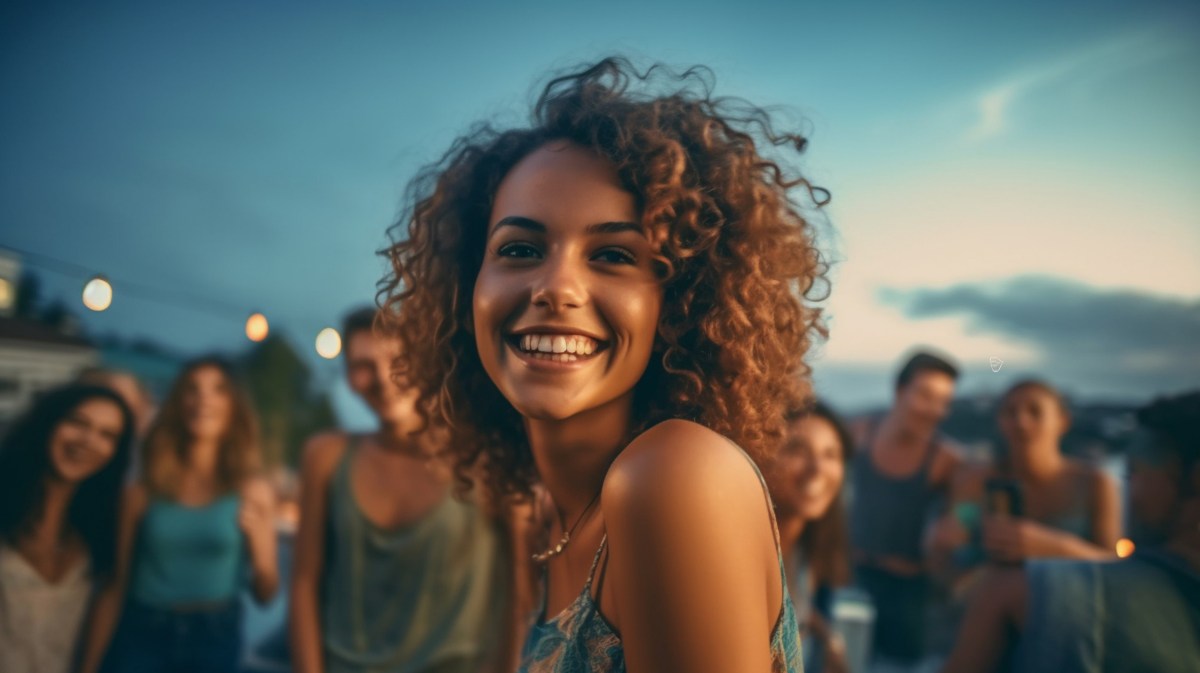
(1053,506)
(1138,614)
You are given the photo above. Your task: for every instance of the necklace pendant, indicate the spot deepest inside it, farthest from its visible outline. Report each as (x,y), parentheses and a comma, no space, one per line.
(553,551)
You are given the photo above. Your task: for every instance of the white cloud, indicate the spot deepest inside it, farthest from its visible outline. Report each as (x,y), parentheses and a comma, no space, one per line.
(1090,63)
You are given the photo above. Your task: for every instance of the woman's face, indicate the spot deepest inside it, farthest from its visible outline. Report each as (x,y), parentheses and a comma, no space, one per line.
(207,404)
(1031,418)
(566,303)
(86,439)
(810,467)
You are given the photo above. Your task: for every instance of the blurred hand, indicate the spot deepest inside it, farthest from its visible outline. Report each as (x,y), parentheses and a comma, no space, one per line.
(948,533)
(1012,540)
(257,519)
(834,647)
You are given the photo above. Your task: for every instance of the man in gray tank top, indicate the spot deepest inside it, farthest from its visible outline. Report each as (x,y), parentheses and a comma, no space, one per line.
(393,572)
(900,472)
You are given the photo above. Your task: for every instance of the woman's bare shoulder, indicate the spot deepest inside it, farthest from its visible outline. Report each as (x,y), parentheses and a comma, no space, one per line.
(679,468)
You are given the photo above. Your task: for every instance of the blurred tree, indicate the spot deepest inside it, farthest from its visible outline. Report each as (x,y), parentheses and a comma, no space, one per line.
(281,386)
(29,290)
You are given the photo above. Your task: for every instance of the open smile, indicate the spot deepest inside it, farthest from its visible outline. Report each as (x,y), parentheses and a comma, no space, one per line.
(555,348)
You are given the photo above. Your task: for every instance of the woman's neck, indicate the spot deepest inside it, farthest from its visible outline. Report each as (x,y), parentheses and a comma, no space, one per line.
(202,456)
(399,436)
(51,527)
(1038,463)
(573,455)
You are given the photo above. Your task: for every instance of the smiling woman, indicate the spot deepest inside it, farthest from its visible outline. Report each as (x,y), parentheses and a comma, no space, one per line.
(598,304)
(61,467)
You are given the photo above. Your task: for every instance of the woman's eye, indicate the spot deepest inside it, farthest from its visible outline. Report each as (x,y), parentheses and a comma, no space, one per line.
(615,256)
(520,250)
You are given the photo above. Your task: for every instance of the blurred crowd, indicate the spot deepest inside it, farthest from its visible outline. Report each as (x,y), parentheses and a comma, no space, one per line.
(130,533)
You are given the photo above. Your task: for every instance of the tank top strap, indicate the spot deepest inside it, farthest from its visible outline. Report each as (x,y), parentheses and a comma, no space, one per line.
(341,475)
(931,452)
(587,587)
(770,511)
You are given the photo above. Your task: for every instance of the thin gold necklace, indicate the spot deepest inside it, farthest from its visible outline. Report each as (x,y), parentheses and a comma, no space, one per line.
(562,544)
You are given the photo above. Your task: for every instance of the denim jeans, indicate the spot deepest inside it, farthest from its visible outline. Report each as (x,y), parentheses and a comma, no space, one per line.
(162,640)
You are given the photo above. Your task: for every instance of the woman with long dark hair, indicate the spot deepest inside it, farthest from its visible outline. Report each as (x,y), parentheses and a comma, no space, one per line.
(195,530)
(610,302)
(61,467)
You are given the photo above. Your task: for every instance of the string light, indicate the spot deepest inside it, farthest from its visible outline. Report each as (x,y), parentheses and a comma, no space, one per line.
(257,327)
(98,294)
(329,343)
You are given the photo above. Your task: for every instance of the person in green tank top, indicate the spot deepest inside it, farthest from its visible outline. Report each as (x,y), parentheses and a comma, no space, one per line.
(196,529)
(610,305)
(393,573)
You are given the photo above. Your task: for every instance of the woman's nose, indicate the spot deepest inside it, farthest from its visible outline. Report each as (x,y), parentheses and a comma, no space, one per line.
(559,285)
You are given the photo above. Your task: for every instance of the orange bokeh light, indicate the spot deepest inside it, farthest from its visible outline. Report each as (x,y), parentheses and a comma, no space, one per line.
(1125,547)
(257,327)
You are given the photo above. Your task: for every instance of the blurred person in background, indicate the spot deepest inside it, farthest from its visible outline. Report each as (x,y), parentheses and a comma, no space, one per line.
(392,571)
(899,477)
(806,480)
(195,529)
(1052,506)
(139,398)
(61,470)
(1141,613)
(131,389)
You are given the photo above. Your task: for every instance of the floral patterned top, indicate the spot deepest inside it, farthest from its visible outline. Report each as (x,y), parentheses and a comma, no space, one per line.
(580,640)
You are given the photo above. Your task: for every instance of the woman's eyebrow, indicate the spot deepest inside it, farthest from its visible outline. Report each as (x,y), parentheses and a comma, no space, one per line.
(520,222)
(613,227)
(530,224)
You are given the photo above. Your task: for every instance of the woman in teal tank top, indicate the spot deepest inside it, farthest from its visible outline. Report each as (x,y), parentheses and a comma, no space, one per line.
(609,305)
(197,529)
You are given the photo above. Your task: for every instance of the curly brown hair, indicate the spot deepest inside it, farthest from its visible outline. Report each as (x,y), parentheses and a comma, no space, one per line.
(737,262)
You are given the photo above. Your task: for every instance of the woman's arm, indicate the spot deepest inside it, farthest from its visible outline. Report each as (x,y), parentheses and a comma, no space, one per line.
(304,621)
(1016,539)
(692,559)
(257,521)
(106,611)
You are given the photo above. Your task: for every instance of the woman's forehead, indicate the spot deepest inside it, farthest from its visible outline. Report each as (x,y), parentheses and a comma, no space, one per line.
(565,183)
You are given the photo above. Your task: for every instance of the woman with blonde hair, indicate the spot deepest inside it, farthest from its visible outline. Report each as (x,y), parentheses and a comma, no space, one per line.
(194,530)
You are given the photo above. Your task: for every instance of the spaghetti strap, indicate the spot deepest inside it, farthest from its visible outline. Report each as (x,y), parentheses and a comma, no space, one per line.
(770,505)
(587,587)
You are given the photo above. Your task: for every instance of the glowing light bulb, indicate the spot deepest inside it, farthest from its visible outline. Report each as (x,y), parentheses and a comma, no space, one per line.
(98,293)
(1125,547)
(257,327)
(329,343)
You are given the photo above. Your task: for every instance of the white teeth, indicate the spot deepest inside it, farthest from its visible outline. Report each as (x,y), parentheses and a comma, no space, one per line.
(557,344)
